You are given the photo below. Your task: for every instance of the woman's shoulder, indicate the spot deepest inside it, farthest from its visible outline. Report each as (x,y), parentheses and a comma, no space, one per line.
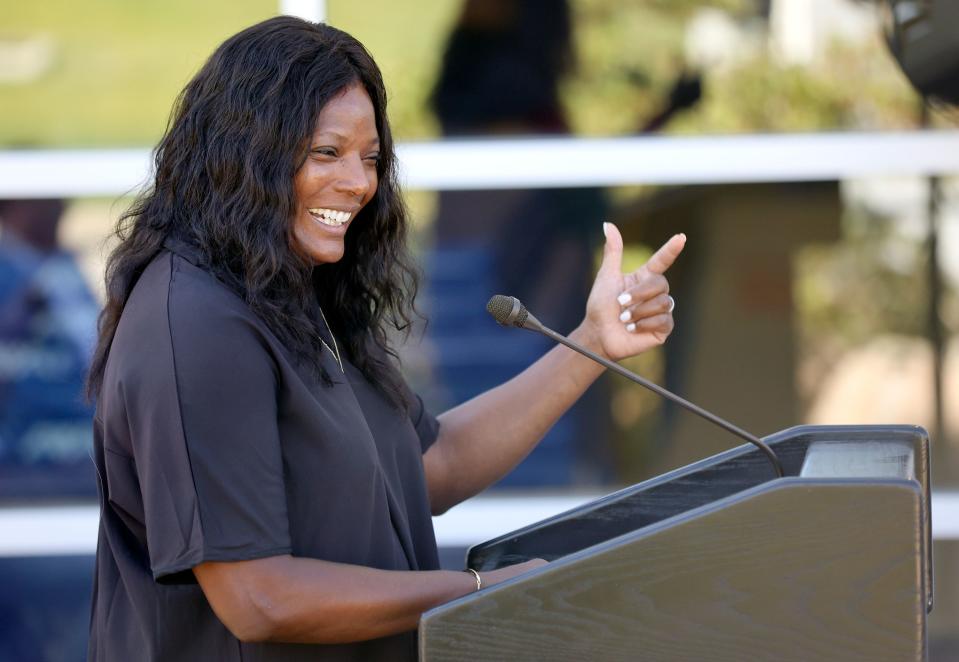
(189,275)
(176,294)
(179,314)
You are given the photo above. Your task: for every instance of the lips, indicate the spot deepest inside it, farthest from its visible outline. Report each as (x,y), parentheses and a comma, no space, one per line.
(330,217)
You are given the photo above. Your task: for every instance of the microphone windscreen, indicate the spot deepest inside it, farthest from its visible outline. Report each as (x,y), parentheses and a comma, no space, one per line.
(500,306)
(508,311)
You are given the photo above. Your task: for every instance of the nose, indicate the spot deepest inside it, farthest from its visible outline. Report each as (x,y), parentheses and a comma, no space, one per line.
(353,177)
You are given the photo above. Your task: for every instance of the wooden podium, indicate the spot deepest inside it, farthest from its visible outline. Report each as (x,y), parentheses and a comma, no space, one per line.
(720,560)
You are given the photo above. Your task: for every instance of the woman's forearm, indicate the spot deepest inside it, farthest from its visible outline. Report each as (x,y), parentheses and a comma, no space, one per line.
(332,603)
(482,439)
(302,600)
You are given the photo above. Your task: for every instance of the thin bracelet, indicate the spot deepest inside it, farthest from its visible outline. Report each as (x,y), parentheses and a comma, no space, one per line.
(479,580)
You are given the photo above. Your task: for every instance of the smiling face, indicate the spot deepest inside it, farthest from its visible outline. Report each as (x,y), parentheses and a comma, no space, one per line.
(338,177)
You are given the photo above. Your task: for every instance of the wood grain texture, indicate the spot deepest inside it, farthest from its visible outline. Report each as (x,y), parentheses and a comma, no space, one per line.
(794,569)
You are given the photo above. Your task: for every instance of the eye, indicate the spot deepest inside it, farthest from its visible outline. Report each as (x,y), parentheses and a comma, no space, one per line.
(374,159)
(324,151)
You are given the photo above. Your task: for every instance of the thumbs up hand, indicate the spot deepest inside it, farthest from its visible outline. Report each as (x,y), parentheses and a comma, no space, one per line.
(626,314)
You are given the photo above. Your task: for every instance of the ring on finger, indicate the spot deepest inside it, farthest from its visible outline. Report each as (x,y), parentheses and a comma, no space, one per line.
(672,303)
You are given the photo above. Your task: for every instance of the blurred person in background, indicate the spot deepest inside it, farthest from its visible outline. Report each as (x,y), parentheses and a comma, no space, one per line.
(267,477)
(500,76)
(47,333)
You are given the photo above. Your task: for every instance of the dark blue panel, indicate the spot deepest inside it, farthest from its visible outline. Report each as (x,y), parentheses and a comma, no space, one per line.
(45,608)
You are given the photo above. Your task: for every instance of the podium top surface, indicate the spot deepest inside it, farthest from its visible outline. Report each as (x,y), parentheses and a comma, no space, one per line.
(841,452)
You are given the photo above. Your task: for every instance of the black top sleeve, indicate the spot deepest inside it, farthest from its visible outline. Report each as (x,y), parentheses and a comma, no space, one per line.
(230,504)
(426,425)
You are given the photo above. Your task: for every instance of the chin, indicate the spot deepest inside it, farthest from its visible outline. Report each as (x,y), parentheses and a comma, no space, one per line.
(326,256)
(325,253)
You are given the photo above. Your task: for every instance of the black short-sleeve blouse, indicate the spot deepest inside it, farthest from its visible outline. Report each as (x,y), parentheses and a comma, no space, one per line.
(211,445)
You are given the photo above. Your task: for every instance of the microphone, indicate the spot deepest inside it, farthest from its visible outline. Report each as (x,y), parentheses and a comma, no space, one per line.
(509,311)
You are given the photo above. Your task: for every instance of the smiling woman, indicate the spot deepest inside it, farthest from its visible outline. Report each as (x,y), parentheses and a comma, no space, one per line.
(338,177)
(266,475)
(285,117)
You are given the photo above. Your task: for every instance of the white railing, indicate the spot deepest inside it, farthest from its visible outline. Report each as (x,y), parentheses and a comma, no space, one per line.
(67,530)
(550,162)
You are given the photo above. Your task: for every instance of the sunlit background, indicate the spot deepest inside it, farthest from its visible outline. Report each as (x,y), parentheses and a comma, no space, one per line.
(802,298)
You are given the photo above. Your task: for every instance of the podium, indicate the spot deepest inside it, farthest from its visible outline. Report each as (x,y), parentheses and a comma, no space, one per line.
(720,560)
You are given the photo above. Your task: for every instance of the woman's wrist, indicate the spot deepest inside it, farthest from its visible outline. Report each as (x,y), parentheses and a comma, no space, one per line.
(588,336)
(476,577)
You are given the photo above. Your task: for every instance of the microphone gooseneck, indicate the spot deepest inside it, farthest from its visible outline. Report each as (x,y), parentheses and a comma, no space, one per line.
(509,311)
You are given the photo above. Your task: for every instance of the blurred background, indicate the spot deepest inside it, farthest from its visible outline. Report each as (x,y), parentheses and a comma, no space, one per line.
(818,188)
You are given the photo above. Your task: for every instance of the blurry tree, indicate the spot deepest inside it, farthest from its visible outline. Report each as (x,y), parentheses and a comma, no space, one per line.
(874,283)
(105,72)
(629,55)
(852,87)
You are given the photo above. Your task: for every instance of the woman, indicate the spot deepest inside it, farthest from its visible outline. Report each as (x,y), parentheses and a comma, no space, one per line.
(267,478)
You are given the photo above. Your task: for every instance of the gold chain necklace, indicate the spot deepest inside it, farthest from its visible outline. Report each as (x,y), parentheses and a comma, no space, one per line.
(334,350)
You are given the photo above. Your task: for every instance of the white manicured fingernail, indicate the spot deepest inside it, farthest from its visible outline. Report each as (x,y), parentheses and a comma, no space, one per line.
(605,229)
(625,316)
(631,327)
(624,298)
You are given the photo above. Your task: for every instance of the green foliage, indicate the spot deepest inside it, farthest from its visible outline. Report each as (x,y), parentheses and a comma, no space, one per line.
(629,55)
(859,88)
(874,282)
(116,66)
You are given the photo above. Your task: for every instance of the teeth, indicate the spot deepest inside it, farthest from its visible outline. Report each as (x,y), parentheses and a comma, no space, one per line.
(330,216)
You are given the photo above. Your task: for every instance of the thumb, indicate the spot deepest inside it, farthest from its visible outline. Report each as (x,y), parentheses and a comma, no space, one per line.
(612,251)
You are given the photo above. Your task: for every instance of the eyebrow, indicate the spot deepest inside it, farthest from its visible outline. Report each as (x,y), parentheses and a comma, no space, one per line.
(340,136)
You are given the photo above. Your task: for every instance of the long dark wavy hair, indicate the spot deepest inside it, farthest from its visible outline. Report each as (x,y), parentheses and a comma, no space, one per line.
(223,183)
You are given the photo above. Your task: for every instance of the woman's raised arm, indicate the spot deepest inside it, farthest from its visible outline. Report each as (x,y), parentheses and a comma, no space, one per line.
(483,439)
